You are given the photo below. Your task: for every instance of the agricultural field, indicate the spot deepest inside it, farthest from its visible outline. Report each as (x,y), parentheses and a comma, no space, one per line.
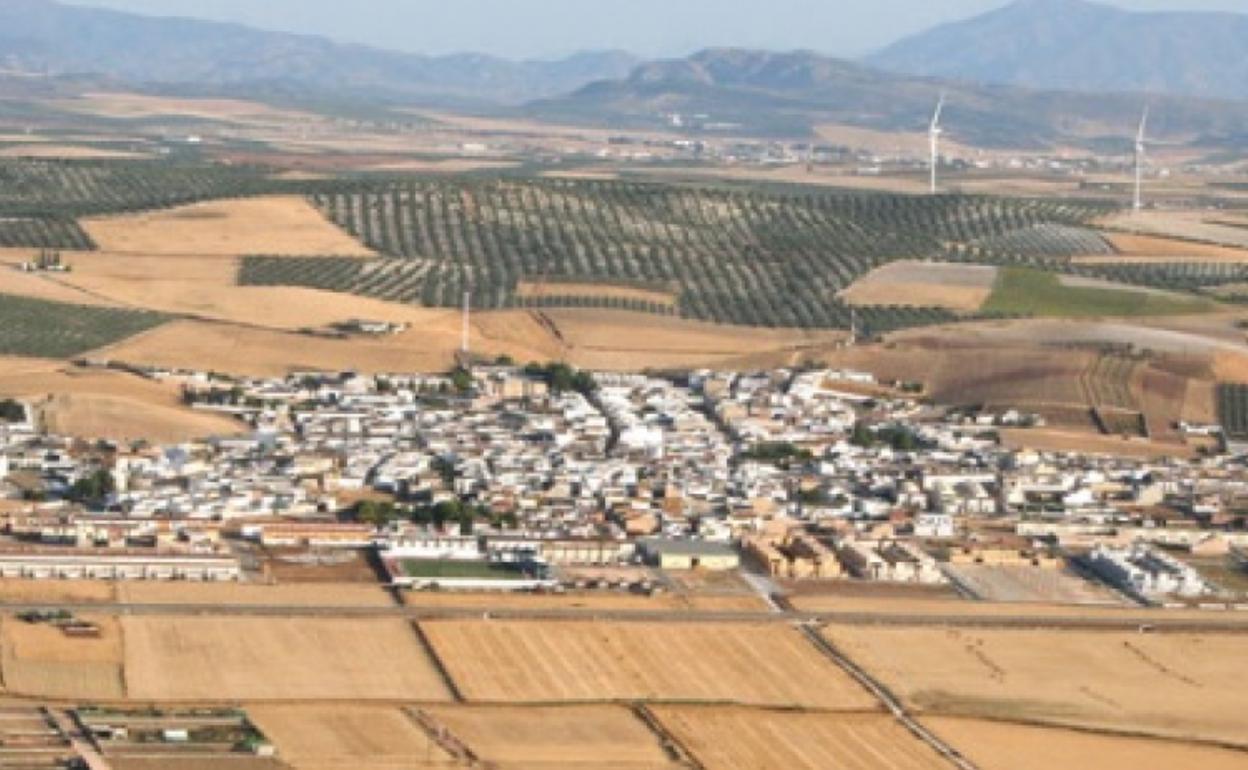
(1148,247)
(741,257)
(38,659)
(730,738)
(74,188)
(1197,226)
(1028,292)
(504,661)
(286,225)
(593,737)
(43,329)
(332,737)
(1174,685)
(290,659)
(98,403)
(1233,410)
(993,745)
(43,233)
(253,594)
(958,287)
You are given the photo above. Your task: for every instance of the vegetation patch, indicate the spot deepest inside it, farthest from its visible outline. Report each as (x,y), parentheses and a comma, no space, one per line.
(1029,292)
(1233,410)
(37,328)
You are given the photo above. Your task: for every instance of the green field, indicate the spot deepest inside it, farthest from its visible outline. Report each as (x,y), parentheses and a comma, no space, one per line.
(450,570)
(1028,292)
(42,329)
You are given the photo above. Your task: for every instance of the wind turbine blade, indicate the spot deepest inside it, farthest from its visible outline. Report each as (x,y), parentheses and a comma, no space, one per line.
(940,107)
(1139,137)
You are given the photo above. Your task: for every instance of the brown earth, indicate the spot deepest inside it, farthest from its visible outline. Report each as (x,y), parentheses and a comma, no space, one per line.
(283,224)
(287,595)
(291,659)
(38,659)
(329,737)
(924,284)
(1176,685)
(726,738)
(590,737)
(1003,746)
(501,661)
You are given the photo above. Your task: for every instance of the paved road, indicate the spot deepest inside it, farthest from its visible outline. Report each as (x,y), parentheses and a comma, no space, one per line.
(1225,622)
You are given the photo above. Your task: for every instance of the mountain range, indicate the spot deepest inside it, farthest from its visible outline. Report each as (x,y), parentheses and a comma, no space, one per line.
(58,39)
(1019,76)
(1082,46)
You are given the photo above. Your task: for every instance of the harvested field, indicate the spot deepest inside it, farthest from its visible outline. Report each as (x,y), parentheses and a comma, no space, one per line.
(133,106)
(1177,685)
(590,737)
(1056,440)
(1030,584)
(753,739)
(245,594)
(56,591)
(335,566)
(332,737)
(287,225)
(1186,225)
(1003,746)
(67,151)
(1150,247)
(97,403)
(37,659)
(592,661)
(226,762)
(924,284)
(214,659)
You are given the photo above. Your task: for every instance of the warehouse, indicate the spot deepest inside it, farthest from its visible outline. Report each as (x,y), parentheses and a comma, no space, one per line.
(689,554)
(90,565)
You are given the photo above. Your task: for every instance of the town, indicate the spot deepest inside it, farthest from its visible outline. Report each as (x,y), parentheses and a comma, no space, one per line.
(545,478)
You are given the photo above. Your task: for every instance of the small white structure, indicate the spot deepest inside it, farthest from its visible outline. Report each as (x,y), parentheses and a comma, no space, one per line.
(1145,571)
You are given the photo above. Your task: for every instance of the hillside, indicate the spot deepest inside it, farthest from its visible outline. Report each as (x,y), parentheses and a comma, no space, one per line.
(1078,45)
(785,94)
(52,38)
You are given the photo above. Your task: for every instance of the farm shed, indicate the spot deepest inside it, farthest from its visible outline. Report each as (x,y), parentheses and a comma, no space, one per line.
(689,554)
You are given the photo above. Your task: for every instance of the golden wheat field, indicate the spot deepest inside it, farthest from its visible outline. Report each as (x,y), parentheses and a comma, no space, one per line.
(1179,685)
(37,659)
(1004,746)
(338,736)
(505,661)
(236,658)
(728,738)
(592,737)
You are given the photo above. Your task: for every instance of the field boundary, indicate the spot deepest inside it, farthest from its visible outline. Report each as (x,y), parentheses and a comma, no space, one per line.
(672,745)
(886,697)
(438,664)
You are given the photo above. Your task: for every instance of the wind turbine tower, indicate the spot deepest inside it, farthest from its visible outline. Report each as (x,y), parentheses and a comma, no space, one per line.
(933,135)
(1139,162)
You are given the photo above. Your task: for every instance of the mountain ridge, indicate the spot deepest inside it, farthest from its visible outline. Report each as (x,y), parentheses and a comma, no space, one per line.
(1083,46)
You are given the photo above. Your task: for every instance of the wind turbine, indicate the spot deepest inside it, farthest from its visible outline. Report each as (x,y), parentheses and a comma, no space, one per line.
(933,135)
(1139,161)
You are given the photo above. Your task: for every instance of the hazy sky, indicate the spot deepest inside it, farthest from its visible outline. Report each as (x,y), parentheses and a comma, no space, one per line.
(543,28)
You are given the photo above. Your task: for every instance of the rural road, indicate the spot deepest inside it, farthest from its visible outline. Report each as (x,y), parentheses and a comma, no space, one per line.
(1222,622)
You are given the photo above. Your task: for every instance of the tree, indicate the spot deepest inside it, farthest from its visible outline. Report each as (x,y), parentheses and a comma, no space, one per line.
(461,380)
(93,489)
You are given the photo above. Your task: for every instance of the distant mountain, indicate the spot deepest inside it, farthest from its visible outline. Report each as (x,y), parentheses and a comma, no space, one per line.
(786,94)
(1078,45)
(53,38)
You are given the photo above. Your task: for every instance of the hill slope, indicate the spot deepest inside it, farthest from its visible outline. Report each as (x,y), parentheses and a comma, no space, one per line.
(784,94)
(1078,45)
(50,37)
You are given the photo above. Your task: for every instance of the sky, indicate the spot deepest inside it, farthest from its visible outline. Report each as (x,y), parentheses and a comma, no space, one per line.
(551,28)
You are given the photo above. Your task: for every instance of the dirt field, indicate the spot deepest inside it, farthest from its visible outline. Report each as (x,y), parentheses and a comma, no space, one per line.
(753,739)
(201,658)
(590,661)
(96,403)
(230,762)
(589,600)
(44,150)
(39,660)
(56,591)
(1001,746)
(128,105)
(924,284)
(286,225)
(588,737)
(332,737)
(620,340)
(1151,247)
(1031,584)
(292,595)
(1188,225)
(1183,686)
(1056,440)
